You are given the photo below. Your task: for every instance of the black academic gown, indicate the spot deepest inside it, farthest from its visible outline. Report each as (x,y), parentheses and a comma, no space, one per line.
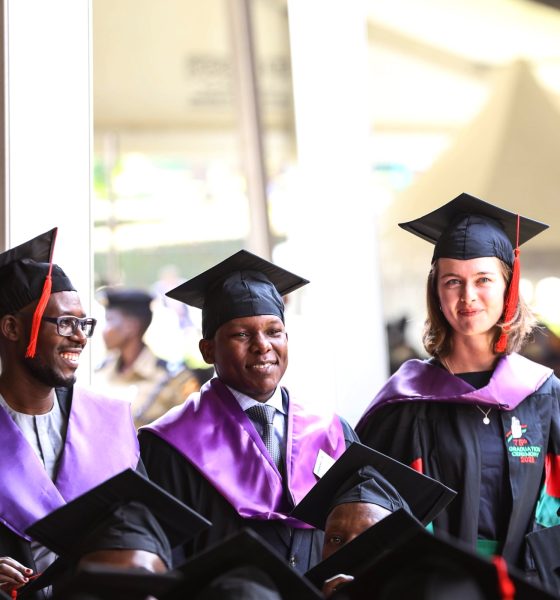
(168,468)
(442,436)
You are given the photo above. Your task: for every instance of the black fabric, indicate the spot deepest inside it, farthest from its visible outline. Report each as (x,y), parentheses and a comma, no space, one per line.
(544,545)
(301,548)
(444,436)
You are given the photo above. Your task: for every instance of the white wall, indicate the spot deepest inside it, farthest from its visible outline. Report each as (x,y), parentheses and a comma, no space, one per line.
(47,133)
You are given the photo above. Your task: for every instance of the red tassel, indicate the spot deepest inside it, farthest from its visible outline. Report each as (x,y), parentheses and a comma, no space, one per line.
(38,315)
(506,587)
(41,305)
(512,298)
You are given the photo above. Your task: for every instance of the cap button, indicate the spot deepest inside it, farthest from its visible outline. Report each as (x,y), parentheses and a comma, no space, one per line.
(292,561)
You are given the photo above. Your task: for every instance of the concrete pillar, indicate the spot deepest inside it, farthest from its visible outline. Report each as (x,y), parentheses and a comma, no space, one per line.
(340,351)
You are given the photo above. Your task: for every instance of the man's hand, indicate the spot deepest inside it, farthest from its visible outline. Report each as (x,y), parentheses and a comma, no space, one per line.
(331,585)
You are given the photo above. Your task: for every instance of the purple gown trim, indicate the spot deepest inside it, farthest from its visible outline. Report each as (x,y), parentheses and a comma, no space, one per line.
(213,433)
(100,442)
(515,377)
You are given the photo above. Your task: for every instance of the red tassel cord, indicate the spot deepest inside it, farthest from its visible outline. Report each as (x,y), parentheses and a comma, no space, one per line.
(41,305)
(512,298)
(506,587)
(38,315)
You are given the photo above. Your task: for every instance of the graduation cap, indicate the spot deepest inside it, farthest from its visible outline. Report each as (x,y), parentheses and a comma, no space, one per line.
(394,486)
(248,551)
(27,274)
(243,285)
(130,301)
(421,566)
(103,582)
(127,511)
(467,228)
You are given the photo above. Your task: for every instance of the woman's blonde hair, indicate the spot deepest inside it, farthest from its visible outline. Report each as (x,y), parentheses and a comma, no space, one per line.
(438,333)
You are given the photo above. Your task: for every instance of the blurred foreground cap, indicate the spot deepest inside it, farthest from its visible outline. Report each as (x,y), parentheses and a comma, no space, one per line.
(425,567)
(248,551)
(102,582)
(243,285)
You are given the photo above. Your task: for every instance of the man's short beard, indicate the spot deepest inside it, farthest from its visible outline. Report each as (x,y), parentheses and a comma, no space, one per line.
(45,375)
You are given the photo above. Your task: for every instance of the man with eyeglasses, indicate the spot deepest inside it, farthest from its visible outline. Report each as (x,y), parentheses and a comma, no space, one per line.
(58,441)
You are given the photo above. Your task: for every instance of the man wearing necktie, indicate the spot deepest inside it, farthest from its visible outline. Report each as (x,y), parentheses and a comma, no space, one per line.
(243,451)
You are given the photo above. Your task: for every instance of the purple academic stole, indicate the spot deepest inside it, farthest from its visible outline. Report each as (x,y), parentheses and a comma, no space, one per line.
(213,433)
(100,442)
(515,377)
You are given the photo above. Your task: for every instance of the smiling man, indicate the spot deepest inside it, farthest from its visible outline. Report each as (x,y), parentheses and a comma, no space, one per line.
(57,441)
(243,451)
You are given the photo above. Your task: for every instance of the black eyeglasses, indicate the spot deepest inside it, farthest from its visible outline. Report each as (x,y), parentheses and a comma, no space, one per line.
(67,326)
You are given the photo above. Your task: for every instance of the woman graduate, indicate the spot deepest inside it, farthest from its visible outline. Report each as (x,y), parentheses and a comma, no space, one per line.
(476,416)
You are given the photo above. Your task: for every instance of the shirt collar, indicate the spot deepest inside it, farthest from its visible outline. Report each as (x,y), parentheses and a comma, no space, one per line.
(246,402)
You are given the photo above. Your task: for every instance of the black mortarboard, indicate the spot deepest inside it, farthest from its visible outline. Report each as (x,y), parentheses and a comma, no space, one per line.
(103,582)
(468,227)
(62,530)
(243,285)
(27,274)
(422,566)
(127,511)
(425,497)
(129,300)
(243,549)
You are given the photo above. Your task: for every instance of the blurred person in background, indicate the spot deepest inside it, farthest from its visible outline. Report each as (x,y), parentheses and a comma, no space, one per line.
(131,371)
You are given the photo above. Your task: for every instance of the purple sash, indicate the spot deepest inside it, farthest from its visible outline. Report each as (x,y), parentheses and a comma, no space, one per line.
(100,442)
(515,377)
(213,433)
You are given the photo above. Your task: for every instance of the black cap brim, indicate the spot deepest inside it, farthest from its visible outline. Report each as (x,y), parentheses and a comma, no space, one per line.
(193,292)
(431,226)
(61,530)
(241,549)
(425,496)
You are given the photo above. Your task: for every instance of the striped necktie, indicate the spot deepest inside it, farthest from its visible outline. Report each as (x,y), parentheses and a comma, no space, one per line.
(264,415)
